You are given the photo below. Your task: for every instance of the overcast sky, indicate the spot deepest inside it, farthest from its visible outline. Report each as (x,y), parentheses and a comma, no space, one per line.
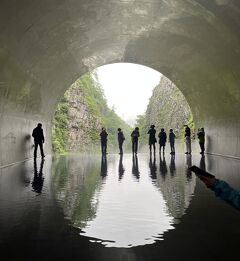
(128,87)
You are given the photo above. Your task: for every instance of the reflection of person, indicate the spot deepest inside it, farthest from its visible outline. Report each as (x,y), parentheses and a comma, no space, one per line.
(135,170)
(201,139)
(135,135)
(163,166)
(104,166)
(121,139)
(171,139)
(172,166)
(188,165)
(153,167)
(152,138)
(222,190)
(120,167)
(38,178)
(188,140)
(38,136)
(103,136)
(162,140)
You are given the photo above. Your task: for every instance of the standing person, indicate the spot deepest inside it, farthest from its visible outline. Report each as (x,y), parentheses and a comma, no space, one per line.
(162,140)
(201,139)
(135,135)
(152,138)
(121,139)
(103,136)
(188,139)
(38,140)
(171,139)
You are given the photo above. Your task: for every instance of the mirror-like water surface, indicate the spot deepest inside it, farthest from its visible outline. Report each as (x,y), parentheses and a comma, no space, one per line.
(130,208)
(124,201)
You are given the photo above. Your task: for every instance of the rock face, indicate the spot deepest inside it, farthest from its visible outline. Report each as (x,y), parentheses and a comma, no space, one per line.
(80,116)
(167,109)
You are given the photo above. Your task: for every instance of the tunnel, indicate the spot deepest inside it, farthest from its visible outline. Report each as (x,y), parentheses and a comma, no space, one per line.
(46,45)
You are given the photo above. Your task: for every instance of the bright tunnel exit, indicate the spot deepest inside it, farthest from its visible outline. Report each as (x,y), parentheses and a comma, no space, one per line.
(120,95)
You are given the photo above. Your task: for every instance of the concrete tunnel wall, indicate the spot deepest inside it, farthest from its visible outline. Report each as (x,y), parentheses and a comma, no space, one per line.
(46,45)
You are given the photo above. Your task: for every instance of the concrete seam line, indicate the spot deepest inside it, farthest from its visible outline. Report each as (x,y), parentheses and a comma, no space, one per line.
(14,163)
(222,155)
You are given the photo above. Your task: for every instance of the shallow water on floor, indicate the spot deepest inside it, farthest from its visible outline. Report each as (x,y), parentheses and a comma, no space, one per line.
(90,207)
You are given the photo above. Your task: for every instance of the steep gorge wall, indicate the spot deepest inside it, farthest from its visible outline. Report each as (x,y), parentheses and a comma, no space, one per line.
(167,109)
(80,116)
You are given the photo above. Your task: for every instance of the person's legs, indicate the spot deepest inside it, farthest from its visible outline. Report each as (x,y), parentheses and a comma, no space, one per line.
(106,147)
(189,146)
(154,148)
(35,149)
(120,147)
(41,149)
(102,147)
(136,146)
(202,147)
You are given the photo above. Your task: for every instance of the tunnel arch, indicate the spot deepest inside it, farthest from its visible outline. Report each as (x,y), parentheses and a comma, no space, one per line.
(46,45)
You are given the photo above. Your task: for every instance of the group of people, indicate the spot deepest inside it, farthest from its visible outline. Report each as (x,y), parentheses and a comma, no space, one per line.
(38,136)
(152,140)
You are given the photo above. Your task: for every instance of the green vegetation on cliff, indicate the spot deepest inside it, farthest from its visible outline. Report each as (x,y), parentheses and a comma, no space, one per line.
(167,109)
(81,114)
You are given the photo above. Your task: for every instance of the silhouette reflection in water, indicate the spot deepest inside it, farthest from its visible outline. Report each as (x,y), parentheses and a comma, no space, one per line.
(104,166)
(153,167)
(202,164)
(120,167)
(135,170)
(163,166)
(38,178)
(188,164)
(172,166)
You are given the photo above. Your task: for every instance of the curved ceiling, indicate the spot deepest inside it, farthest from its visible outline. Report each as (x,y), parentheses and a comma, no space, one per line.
(46,45)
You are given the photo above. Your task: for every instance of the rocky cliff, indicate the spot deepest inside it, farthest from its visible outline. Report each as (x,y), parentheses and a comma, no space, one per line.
(80,116)
(167,109)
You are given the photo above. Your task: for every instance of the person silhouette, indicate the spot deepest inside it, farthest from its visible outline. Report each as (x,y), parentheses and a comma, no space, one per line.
(121,139)
(162,140)
(188,139)
(201,140)
(172,166)
(153,167)
(120,168)
(135,170)
(152,139)
(104,166)
(103,135)
(135,135)
(39,139)
(38,178)
(163,166)
(171,139)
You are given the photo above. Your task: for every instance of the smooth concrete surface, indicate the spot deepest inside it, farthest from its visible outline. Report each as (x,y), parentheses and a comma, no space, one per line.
(46,45)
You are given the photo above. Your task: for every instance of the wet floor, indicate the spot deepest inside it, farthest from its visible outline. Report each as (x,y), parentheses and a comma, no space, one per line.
(90,207)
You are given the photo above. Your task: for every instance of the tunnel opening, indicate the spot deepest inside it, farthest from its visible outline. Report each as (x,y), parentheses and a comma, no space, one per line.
(119,95)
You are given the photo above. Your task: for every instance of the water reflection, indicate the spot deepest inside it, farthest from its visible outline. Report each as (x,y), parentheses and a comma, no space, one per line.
(172,166)
(104,166)
(122,212)
(153,167)
(120,167)
(38,177)
(162,165)
(135,170)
